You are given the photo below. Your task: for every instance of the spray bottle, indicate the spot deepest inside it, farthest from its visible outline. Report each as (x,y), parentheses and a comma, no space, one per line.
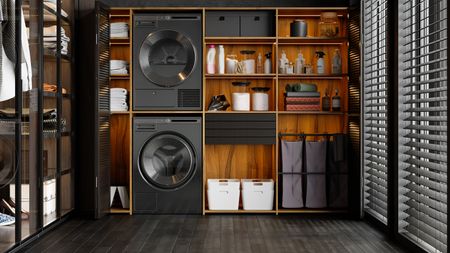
(268,64)
(320,62)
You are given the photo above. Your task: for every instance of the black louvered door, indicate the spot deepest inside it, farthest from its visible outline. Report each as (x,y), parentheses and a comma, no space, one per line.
(102,142)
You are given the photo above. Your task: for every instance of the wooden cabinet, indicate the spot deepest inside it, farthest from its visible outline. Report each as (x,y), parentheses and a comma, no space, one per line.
(242,160)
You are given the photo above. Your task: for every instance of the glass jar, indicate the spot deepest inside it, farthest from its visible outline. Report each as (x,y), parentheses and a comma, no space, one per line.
(260,99)
(329,24)
(248,61)
(231,64)
(240,97)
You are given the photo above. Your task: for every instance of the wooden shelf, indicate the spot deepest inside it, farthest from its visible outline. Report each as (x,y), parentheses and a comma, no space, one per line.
(241,211)
(311,40)
(240,40)
(119,77)
(236,112)
(167,112)
(305,210)
(240,76)
(311,112)
(120,210)
(117,43)
(120,112)
(313,76)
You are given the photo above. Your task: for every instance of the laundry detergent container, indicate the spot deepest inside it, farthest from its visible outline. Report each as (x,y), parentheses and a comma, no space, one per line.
(223,194)
(257,194)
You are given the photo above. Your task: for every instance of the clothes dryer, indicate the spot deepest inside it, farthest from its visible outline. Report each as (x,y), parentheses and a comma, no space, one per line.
(167,56)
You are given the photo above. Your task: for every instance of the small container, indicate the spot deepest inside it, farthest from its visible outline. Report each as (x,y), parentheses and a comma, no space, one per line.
(290,68)
(329,24)
(241,97)
(336,102)
(223,194)
(257,194)
(231,64)
(326,102)
(308,69)
(248,61)
(299,28)
(260,99)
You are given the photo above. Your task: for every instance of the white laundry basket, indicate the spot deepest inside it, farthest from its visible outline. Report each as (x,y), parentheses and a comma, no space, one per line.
(257,194)
(223,194)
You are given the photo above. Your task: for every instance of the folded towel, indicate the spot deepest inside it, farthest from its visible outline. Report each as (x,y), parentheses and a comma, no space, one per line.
(119,72)
(118,91)
(301,87)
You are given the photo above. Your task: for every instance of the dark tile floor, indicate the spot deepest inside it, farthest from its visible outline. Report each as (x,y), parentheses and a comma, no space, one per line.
(214,233)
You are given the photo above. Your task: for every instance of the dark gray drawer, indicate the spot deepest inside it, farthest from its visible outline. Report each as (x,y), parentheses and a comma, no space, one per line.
(240,129)
(222,24)
(257,24)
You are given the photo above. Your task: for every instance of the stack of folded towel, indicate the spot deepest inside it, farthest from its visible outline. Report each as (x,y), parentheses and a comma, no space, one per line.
(119,99)
(119,30)
(302,97)
(50,39)
(118,67)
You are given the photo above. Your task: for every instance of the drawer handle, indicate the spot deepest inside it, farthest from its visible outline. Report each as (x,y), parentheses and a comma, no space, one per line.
(221,18)
(257,18)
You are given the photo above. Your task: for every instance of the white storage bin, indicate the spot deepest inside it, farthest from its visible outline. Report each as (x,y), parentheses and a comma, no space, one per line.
(257,194)
(223,194)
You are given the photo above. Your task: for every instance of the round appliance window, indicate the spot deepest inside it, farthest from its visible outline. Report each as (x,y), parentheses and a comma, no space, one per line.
(167,161)
(167,58)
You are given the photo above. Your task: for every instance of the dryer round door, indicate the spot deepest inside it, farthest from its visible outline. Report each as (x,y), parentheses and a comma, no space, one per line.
(167,58)
(167,161)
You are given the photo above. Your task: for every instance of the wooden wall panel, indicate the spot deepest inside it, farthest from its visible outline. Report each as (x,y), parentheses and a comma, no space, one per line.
(301,123)
(120,145)
(239,161)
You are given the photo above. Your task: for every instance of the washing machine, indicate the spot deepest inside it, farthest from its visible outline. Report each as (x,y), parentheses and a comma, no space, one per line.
(167,55)
(167,167)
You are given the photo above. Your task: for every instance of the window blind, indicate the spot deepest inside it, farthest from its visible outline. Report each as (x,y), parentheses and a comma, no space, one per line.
(375,106)
(423,123)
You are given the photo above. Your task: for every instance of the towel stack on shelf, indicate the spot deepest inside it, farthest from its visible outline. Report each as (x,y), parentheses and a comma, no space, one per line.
(119,100)
(302,97)
(119,30)
(118,67)
(50,40)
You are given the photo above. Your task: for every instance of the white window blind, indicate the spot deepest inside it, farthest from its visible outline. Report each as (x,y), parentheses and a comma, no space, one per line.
(422,214)
(375,101)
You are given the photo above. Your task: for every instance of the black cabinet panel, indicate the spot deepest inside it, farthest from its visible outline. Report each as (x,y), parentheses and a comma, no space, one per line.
(240,129)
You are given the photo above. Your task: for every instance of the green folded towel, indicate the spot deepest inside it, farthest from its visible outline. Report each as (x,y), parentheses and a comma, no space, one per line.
(298,87)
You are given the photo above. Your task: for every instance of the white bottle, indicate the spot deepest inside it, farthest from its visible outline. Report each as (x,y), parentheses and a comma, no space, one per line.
(221,60)
(259,64)
(283,63)
(336,67)
(268,64)
(211,60)
(299,63)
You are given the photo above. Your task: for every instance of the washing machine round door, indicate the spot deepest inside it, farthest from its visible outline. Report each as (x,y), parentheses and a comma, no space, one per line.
(167,161)
(167,58)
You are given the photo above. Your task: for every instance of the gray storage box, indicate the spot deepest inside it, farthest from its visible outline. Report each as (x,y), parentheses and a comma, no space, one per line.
(257,24)
(222,24)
